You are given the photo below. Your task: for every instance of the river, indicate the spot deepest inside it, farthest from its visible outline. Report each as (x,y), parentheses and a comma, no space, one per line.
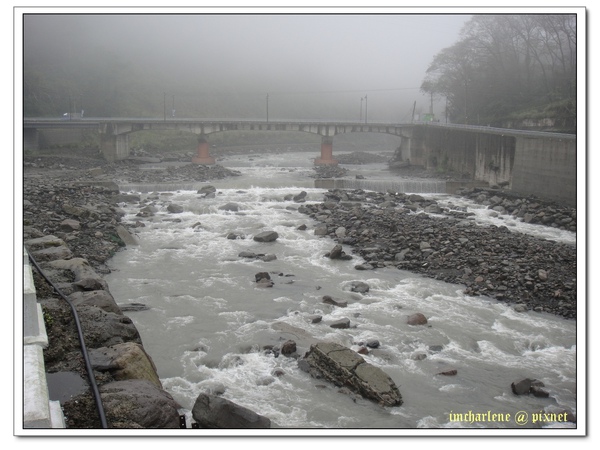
(208,322)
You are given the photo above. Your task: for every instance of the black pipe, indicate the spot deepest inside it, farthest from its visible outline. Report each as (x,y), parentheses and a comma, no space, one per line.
(86,357)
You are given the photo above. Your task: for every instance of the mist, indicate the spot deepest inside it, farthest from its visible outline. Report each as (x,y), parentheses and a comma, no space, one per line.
(335,67)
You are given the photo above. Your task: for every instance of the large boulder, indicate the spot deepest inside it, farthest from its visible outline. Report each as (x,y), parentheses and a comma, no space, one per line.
(138,404)
(266,236)
(100,298)
(344,367)
(212,411)
(125,361)
(416,319)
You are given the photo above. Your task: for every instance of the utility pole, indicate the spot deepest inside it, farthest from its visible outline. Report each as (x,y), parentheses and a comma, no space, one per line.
(361,100)
(413,113)
(267,107)
(165,106)
(366,109)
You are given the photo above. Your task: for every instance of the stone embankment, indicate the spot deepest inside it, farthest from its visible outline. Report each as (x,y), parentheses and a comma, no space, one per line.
(71,228)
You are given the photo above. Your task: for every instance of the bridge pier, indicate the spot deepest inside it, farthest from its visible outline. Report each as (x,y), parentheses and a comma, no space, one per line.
(326,152)
(203,156)
(114,147)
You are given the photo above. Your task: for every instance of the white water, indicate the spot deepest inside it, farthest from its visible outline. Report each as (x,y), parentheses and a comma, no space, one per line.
(208,321)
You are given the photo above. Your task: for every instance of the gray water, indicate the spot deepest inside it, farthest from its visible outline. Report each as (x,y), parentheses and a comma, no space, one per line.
(208,320)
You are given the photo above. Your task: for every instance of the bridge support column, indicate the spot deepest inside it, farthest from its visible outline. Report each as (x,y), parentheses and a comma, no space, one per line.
(203,156)
(115,147)
(326,152)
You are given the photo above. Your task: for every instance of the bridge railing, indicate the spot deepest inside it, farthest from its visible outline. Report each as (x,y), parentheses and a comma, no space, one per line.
(95,121)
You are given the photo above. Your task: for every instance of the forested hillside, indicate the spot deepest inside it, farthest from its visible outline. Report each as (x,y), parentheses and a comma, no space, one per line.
(510,70)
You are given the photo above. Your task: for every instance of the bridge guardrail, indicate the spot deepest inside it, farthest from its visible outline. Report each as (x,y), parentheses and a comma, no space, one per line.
(96,121)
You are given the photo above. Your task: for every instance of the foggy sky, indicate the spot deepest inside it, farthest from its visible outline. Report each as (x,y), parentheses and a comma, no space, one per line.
(295,55)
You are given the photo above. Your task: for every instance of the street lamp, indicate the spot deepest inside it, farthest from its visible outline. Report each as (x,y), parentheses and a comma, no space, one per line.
(366,109)
(165,106)
(173,109)
(267,107)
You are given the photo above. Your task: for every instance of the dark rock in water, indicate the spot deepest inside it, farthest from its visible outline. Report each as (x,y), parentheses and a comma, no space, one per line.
(288,347)
(360,287)
(336,252)
(341,323)
(247,254)
(529,386)
(521,387)
(262,276)
(315,318)
(301,197)
(266,236)
(416,319)
(263,279)
(175,209)
(211,411)
(330,301)
(449,372)
(234,207)
(539,392)
(133,307)
(344,367)
(373,343)
(205,190)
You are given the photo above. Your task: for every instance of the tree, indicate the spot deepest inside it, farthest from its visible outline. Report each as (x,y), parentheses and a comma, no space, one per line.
(504,66)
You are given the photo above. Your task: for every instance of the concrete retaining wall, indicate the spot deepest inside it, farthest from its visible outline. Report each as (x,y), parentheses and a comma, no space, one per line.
(38,410)
(546,168)
(540,166)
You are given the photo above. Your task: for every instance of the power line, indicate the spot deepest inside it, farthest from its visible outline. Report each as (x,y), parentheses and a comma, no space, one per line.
(349,91)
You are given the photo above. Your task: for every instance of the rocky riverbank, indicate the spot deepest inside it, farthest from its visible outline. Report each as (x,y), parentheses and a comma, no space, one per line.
(72,225)
(416,234)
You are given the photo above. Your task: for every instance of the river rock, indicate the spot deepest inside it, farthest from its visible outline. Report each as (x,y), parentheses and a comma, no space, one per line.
(70,225)
(330,301)
(529,386)
(175,209)
(416,319)
(100,298)
(234,207)
(79,267)
(301,197)
(211,411)
(344,367)
(205,190)
(44,242)
(321,231)
(52,253)
(266,236)
(125,361)
(263,279)
(139,404)
(288,347)
(360,287)
(336,252)
(341,323)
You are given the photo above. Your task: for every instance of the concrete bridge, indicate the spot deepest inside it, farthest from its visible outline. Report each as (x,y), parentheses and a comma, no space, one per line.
(528,162)
(114,132)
